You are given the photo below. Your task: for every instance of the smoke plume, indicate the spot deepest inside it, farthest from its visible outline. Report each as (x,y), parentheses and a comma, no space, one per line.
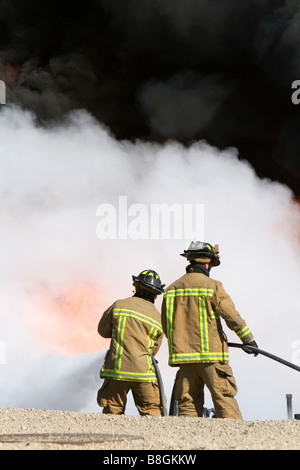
(58,276)
(163,69)
(164,102)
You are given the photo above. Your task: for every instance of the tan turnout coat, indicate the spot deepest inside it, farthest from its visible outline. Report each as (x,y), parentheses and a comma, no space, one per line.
(192,309)
(134,326)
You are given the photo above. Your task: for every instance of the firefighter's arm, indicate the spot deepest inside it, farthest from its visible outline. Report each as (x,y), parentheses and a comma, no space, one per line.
(224,305)
(163,316)
(105,323)
(157,343)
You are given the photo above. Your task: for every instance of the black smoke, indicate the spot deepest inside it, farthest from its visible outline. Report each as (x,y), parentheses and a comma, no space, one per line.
(157,70)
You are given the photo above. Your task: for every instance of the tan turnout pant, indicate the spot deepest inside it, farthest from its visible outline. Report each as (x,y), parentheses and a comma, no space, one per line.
(218,378)
(112,397)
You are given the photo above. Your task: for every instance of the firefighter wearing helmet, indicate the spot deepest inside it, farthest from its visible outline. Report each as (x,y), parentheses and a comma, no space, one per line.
(134,326)
(192,309)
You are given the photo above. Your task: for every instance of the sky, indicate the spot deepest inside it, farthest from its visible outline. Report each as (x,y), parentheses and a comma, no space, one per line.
(110,113)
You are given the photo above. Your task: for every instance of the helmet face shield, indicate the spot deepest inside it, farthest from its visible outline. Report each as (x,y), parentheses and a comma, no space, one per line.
(150,280)
(203,250)
(200,246)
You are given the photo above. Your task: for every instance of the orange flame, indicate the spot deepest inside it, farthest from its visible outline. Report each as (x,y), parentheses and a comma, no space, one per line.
(68,322)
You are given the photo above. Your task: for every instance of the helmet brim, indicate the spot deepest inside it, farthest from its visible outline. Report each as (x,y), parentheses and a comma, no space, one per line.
(156,290)
(190,255)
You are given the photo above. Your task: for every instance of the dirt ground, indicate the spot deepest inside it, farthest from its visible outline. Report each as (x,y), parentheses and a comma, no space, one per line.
(29,429)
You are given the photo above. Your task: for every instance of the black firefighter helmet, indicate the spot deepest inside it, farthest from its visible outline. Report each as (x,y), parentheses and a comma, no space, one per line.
(150,280)
(203,251)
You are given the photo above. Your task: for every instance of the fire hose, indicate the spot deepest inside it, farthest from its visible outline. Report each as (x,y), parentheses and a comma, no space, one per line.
(173,410)
(163,400)
(265,353)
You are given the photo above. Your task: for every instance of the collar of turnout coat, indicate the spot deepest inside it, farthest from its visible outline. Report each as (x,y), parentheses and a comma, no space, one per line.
(197,268)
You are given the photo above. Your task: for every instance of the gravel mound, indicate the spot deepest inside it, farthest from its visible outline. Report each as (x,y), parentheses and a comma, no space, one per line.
(31,429)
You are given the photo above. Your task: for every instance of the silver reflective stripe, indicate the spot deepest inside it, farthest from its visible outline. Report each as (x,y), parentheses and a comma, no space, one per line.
(215,315)
(198,357)
(139,316)
(243,332)
(122,374)
(193,291)
(170,312)
(151,337)
(203,324)
(120,336)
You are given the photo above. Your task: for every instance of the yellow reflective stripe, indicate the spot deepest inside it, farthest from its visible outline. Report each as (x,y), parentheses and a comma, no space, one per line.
(139,316)
(151,336)
(203,324)
(121,374)
(186,292)
(215,315)
(199,357)
(243,332)
(170,312)
(120,338)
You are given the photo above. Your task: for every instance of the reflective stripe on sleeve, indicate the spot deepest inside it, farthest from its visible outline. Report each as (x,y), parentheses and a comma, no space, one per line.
(151,337)
(243,332)
(170,312)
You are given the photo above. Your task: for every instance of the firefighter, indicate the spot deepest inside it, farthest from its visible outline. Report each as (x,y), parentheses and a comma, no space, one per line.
(134,326)
(192,309)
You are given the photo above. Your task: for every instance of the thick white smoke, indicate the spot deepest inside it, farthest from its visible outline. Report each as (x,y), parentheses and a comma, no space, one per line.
(57,275)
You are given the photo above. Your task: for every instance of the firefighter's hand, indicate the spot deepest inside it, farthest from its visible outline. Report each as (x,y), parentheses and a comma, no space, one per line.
(249,350)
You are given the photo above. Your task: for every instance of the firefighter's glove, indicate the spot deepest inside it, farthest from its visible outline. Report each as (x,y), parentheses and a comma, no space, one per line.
(249,350)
